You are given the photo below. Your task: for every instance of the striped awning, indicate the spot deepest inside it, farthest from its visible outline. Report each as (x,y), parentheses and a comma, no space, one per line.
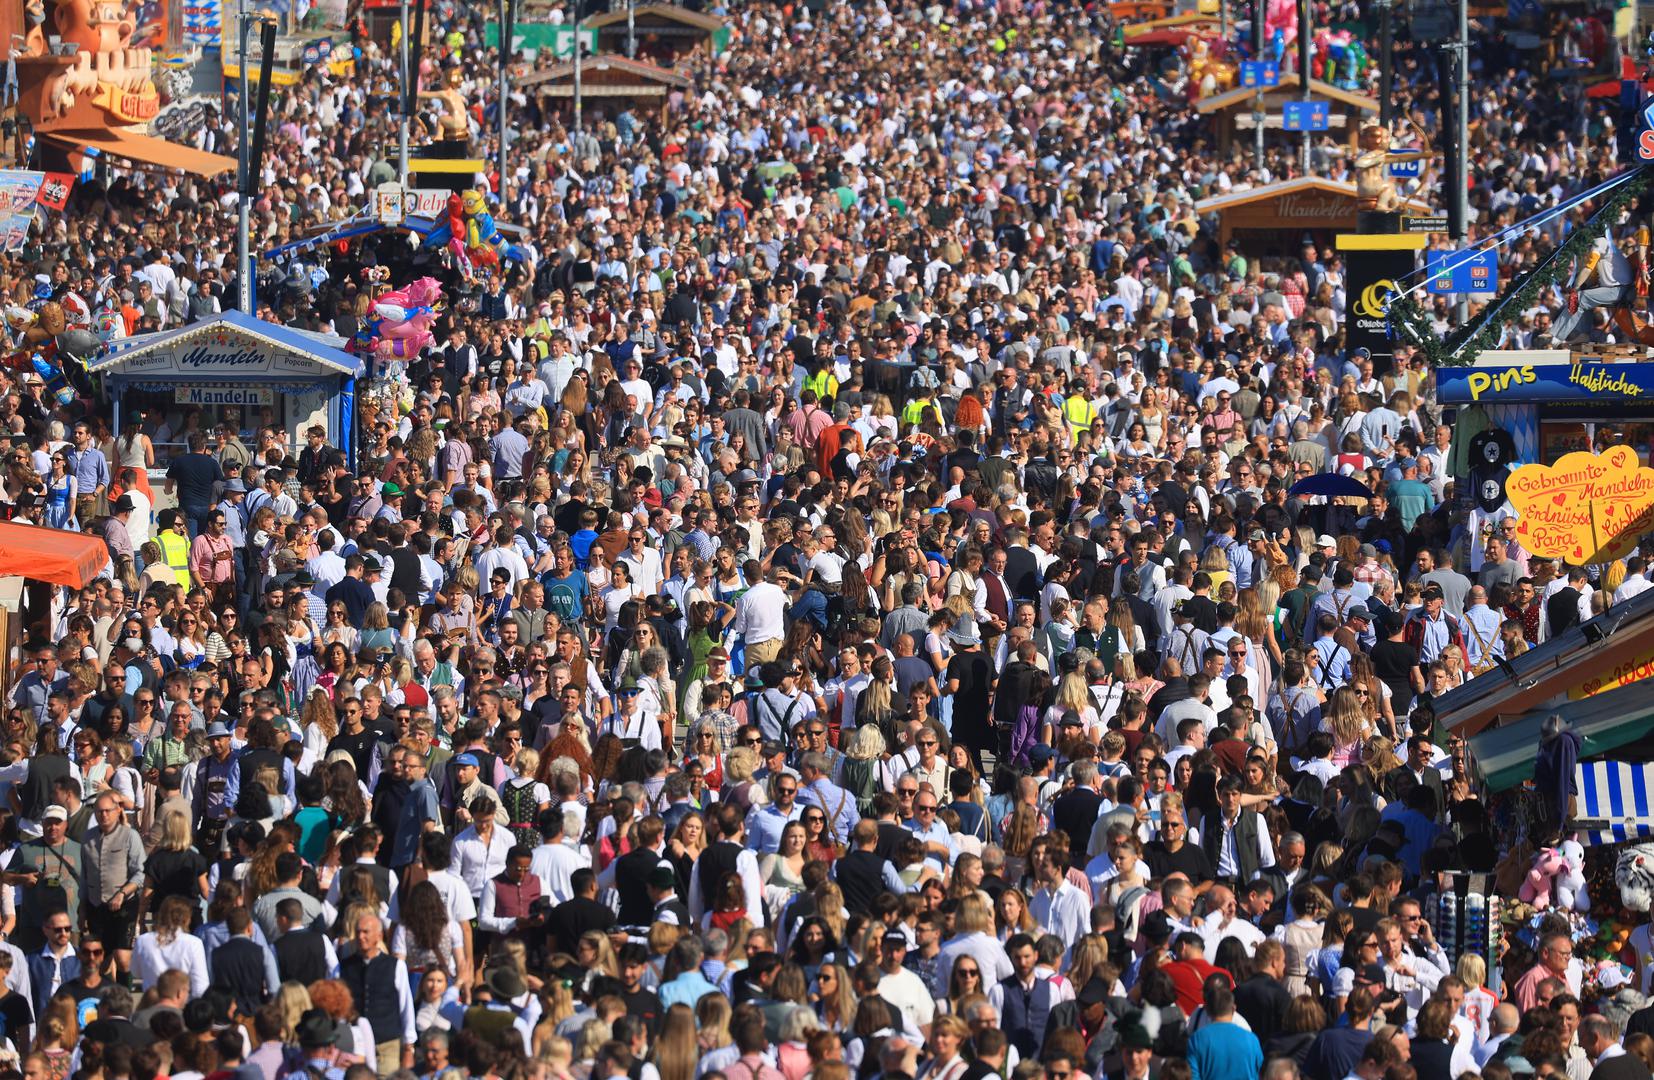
(1615,803)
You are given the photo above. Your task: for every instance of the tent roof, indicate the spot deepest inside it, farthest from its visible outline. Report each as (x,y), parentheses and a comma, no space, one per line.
(642,69)
(319,348)
(1505,755)
(143,151)
(696,19)
(1241,95)
(1583,657)
(56,556)
(1284,187)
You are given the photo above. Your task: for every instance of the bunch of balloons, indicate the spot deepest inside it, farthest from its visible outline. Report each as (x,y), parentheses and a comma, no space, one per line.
(467,230)
(1339,58)
(50,347)
(400,324)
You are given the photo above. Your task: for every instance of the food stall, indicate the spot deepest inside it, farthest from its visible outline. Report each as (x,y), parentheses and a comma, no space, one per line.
(238,370)
(1556,401)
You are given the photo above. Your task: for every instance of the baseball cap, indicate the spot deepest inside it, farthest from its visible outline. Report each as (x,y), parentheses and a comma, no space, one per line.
(1039,754)
(465,759)
(1326,541)
(54,812)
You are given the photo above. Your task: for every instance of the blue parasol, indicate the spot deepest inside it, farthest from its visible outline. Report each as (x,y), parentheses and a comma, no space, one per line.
(1331,485)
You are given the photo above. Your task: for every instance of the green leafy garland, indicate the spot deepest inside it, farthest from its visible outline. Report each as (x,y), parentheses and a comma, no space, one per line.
(1410,323)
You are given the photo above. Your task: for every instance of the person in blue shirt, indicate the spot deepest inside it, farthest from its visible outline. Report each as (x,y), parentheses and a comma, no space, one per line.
(1222,1049)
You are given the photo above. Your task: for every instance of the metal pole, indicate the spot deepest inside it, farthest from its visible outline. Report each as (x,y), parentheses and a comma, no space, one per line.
(402,152)
(1306,12)
(577,51)
(631,29)
(1223,18)
(506,33)
(244,258)
(1461,190)
(1257,106)
(1386,60)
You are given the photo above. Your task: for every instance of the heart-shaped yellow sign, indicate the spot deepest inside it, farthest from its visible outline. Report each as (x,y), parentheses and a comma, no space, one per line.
(1587,508)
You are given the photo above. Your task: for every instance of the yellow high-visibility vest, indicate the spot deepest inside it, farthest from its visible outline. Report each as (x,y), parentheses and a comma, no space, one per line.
(914,411)
(1079,412)
(824,383)
(175,550)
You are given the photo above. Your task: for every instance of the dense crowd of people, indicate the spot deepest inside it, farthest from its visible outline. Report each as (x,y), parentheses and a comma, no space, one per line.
(836,609)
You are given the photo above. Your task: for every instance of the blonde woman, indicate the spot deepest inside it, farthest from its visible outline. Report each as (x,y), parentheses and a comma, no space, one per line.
(717,1046)
(1453,660)
(1072,696)
(676,1049)
(1346,720)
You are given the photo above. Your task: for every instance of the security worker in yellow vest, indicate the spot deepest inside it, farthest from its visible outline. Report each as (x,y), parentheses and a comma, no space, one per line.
(175,545)
(823,382)
(1078,411)
(915,411)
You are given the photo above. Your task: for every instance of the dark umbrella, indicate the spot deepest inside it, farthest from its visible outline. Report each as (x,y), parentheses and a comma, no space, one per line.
(1331,485)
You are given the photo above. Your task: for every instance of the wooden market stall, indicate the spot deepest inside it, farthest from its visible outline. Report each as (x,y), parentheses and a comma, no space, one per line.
(667,35)
(1274,219)
(1232,111)
(609,84)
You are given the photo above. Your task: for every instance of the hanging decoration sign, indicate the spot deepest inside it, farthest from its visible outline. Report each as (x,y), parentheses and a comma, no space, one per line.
(1587,508)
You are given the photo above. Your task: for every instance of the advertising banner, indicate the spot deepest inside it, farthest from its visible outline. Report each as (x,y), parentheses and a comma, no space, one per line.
(1370,280)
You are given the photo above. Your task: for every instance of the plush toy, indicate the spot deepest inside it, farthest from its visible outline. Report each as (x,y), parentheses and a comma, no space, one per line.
(399,326)
(1536,887)
(1207,74)
(1280,26)
(1570,885)
(1634,874)
(449,232)
(482,237)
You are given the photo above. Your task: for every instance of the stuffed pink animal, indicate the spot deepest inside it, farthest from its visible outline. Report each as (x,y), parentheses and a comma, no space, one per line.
(1282,16)
(1547,865)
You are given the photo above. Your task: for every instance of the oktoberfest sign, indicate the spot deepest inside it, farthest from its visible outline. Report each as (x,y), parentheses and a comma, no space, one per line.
(1587,508)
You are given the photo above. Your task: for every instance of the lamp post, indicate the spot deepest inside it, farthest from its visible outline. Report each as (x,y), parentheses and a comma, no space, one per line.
(402,137)
(244,259)
(1386,71)
(577,51)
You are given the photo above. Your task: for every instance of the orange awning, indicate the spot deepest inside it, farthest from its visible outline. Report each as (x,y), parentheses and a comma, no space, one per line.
(55,556)
(140,151)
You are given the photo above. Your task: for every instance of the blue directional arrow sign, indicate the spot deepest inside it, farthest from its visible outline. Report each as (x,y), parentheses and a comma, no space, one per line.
(1462,271)
(1255,74)
(1305,115)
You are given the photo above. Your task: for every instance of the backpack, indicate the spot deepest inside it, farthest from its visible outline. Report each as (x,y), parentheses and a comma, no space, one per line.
(520,806)
(861,780)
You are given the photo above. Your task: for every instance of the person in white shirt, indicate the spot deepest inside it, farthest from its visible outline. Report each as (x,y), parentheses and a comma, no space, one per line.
(899,985)
(1635,583)
(644,562)
(555,860)
(479,853)
(760,618)
(1058,906)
